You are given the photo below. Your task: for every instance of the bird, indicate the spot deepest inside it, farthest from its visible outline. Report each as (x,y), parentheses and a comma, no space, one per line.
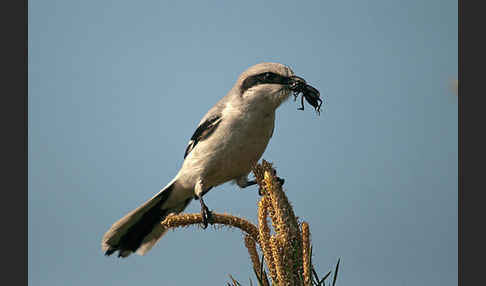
(228,141)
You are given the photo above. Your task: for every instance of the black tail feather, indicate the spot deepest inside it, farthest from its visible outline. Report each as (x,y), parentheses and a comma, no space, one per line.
(135,235)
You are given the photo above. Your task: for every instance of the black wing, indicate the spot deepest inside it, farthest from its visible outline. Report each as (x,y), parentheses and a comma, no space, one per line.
(202,132)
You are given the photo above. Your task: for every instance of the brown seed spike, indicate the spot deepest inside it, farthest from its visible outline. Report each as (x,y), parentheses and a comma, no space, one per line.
(257,266)
(184,220)
(306,254)
(282,271)
(286,225)
(264,234)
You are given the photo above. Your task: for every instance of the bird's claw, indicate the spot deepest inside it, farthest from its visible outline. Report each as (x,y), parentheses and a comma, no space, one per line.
(205,213)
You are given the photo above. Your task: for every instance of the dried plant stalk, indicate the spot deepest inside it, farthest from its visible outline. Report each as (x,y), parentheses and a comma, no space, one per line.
(183,220)
(272,214)
(257,266)
(264,231)
(306,254)
(286,225)
(287,252)
(259,172)
(282,274)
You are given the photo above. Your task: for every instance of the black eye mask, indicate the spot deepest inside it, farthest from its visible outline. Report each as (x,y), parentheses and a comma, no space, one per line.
(266,77)
(296,84)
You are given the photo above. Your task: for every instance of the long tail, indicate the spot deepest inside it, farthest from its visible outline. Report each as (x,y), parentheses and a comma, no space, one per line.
(140,229)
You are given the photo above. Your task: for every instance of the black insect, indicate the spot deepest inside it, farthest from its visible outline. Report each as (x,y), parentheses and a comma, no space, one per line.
(311,94)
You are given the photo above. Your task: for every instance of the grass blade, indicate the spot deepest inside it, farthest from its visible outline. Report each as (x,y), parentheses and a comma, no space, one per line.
(336,273)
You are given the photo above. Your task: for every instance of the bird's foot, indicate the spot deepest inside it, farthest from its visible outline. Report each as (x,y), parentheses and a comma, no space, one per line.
(281,181)
(250,183)
(205,213)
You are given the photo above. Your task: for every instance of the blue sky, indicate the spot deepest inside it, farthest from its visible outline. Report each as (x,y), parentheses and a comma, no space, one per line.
(116,89)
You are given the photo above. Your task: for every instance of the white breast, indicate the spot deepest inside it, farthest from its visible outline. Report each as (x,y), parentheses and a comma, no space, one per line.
(229,153)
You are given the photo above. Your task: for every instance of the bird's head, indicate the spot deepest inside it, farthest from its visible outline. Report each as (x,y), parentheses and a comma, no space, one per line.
(270,84)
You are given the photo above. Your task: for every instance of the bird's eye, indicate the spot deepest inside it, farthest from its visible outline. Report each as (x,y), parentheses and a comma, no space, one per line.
(268,76)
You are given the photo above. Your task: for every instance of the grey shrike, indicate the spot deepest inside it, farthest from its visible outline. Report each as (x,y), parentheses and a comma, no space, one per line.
(228,142)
